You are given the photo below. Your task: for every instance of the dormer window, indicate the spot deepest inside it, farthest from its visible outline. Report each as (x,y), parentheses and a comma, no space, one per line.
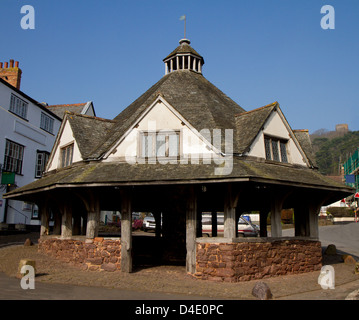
(276,149)
(66,154)
(160,144)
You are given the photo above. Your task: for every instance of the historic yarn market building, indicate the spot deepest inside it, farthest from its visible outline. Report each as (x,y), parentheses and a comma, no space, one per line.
(181,149)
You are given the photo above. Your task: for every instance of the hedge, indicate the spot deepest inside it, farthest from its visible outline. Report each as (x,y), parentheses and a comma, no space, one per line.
(340,212)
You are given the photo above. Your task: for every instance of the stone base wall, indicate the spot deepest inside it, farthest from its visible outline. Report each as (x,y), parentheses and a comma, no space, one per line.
(244,261)
(97,254)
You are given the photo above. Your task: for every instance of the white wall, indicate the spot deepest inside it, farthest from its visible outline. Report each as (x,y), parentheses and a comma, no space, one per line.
(27,133)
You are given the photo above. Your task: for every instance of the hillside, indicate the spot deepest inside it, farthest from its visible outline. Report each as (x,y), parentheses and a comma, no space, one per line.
(332,149)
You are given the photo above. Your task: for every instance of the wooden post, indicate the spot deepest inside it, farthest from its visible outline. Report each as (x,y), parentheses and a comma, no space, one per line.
(230,222)
(93,221)
(276,220)
(230,204)
(191,226)
(92,204)
(45,217)
(57,221)
(126,231)
(158,220)
(66,226)
(314,210)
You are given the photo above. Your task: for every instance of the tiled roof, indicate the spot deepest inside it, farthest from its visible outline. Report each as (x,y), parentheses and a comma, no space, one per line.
(60,109)
(306,144)
(99,173)
(184,48)
(249,123)
(88,131)
(204,106)
(198,101)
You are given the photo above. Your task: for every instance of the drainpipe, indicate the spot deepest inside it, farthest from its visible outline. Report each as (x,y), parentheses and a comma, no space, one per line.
(6,206)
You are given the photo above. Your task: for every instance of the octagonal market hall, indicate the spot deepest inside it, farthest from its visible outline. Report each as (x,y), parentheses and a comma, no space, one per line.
(182,150)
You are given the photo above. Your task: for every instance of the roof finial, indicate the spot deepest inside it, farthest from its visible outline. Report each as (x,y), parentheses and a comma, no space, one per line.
(184,18)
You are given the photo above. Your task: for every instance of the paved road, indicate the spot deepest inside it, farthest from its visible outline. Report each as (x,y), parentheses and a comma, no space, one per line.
(345,237)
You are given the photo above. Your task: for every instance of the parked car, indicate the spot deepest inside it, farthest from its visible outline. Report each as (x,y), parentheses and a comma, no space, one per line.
(149,223)
(245,227)
(137,224)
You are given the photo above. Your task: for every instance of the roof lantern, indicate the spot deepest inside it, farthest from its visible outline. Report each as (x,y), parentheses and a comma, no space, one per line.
(184,57)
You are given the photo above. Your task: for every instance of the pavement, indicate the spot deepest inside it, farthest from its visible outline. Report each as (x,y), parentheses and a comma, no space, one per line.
(11,290)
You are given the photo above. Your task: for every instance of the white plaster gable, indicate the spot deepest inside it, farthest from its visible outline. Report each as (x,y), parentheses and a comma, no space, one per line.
(161,117)
(276,126)
(64,138)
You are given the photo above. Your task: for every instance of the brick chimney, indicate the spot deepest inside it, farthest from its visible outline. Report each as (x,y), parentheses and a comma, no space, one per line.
(11,74)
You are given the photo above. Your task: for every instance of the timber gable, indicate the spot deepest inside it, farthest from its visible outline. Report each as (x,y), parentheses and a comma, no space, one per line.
(83,131)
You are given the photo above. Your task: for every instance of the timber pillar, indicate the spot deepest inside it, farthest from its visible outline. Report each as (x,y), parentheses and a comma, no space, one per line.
(191,230)
(45,218)
(91,202)
(314,210)
(126,231)
(57,221)
(230,205)
(66,223)
(276,221)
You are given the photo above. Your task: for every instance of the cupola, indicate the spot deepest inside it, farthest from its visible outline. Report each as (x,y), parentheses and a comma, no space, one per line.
(184,57)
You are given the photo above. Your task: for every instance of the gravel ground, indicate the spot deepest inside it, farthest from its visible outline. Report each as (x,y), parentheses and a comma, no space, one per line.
(169,279)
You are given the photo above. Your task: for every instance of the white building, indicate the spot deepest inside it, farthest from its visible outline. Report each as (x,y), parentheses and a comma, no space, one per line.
(28,131)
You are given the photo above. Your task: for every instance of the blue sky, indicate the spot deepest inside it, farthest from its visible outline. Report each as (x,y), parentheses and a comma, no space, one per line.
(255,51)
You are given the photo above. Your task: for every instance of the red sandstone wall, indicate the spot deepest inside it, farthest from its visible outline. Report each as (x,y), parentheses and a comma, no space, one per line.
(99,255)
(253,260)
(231,262)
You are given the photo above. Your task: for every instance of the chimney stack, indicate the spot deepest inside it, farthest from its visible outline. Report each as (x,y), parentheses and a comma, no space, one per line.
(11,74)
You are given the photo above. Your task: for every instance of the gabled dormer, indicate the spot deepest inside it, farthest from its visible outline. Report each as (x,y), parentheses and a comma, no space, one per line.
(77,136)
(265,133)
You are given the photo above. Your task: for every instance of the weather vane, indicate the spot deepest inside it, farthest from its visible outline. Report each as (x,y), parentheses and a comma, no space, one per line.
(184,18)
